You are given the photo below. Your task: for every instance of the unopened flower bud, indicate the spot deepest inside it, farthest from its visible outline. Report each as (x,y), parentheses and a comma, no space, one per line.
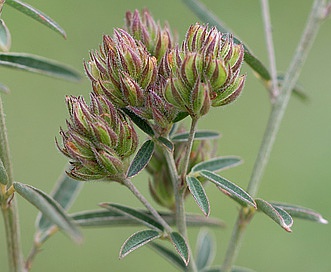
(143,27)
(208,70)
(122,70)
(98,141)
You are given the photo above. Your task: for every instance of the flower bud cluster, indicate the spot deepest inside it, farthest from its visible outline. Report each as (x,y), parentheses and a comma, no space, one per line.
(125,70)
(99,139)
(204,72)
(144,28)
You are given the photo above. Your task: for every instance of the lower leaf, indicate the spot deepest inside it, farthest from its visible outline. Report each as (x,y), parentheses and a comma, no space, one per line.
(137,240)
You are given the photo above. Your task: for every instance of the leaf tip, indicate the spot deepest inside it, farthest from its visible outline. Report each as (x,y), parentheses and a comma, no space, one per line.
(323,221)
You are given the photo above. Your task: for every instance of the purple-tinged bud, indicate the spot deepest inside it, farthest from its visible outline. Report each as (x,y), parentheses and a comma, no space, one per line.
(99,139)
(143,28)
(230,93)
(210,58)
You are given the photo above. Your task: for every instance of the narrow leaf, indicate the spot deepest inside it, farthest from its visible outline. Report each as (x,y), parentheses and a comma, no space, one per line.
(199,194)
(180,116)
(50,209)
(5,38)
(217,164)
(180,245)
(4,89)
(135,214)
(280,216)
(37,15)
(102,218)
(205,250)
(137,240)
(64,193)
(141,123)
(169,255)
(301,212)
(37,64)
(168,144)
(206,16)
(141,159)
(199,135)
(3,174)
(230,189)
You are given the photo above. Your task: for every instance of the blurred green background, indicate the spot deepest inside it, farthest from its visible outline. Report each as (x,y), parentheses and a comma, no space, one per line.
(299,170)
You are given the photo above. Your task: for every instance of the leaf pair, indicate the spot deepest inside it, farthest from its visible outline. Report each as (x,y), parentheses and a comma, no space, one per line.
(141,238)
(282,213)
(205,170)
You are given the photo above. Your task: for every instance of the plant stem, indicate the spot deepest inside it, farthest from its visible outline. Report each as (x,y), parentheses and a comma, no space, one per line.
(189,144)
(270,48)
(275,118)
(178,182)
(8,205)
(145,202)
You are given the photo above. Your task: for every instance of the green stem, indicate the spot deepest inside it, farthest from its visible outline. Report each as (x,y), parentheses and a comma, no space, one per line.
(178,182)
(270,48)
(8,206)
(275,118)
(145,202)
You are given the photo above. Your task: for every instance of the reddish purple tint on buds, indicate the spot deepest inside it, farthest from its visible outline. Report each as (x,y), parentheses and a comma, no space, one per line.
(204,72)
(99,139)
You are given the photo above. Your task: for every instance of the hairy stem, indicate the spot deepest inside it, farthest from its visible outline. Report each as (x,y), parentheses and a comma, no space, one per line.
(275,118)
(145,202)
(178,182)
(8,205)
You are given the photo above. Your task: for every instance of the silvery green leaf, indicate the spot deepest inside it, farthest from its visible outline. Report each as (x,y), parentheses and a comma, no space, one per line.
(205,250)
(217,164)
(141,159)
(137,240)
(37,64)
(198,194)
(50,208)
(301,212)
(141,123)
(102,218)
(134,214)
(280,216)
(180,245)
(229,188)
(199,135)
(36,15)
(64,193)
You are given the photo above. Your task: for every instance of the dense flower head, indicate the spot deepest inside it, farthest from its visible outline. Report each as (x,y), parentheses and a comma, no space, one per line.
(99,139)
(204,72)
(127,74)
(122,70)
(143,27)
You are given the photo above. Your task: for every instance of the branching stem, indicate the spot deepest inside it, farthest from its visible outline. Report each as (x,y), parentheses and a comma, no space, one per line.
(277,113)
(145,202)
(8,205)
